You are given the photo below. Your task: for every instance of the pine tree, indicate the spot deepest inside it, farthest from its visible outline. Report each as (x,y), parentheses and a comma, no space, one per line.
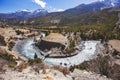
(35,56)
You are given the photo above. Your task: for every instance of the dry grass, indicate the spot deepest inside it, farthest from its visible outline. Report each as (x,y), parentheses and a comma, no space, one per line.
(115,44)
(56,37)
(7,32)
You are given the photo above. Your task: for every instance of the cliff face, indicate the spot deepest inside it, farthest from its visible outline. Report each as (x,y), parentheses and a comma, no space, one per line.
(46,45)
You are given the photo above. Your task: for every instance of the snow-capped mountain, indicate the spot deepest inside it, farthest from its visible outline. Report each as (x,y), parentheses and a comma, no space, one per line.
(111,2)
(21,14)
(25,10)
(95,6)
(80,9)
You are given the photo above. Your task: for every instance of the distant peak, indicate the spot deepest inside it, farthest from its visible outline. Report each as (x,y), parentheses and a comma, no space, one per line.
(81,5)
(111,2)
(25,10)
(40,9)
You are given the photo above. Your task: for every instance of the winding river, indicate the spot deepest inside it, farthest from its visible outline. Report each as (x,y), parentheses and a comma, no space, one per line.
(26,48)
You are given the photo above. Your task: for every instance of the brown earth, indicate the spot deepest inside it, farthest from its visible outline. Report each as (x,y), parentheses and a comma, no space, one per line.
(115,44)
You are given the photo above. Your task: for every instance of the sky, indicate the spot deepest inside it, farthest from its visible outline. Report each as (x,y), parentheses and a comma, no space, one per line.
(50,5)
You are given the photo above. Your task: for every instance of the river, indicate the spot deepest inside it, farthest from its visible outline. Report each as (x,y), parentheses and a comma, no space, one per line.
(26,48)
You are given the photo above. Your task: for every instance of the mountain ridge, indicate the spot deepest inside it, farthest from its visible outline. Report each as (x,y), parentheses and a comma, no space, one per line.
(73,16)
(80,9)
(22,14)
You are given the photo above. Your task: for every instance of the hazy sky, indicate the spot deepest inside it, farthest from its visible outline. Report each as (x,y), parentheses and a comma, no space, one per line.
(50,5)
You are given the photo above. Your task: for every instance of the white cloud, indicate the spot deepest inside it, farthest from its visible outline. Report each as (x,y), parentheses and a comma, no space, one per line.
(41,3)
(59,10)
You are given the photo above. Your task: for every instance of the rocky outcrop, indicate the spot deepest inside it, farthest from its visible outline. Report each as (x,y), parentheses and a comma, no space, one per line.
(53,45)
